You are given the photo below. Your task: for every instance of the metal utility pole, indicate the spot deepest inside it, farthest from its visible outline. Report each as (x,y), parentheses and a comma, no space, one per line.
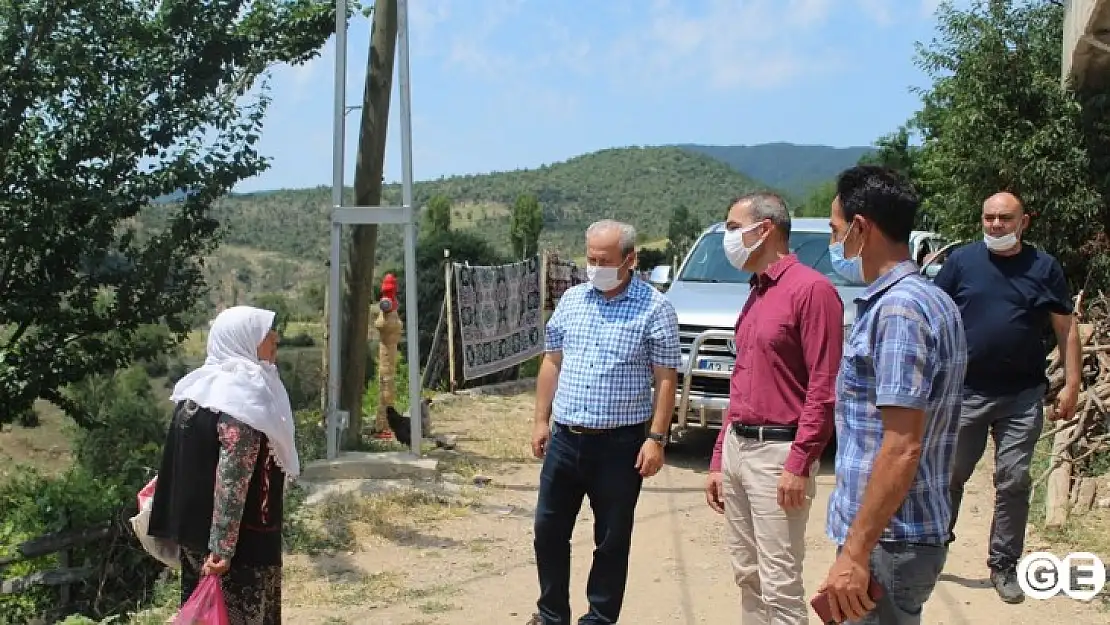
(366,215)
(369,166)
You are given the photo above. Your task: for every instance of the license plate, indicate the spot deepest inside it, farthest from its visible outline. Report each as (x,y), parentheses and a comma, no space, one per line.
(715,365)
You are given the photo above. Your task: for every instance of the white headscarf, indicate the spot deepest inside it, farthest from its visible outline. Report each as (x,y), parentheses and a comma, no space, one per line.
(234,381)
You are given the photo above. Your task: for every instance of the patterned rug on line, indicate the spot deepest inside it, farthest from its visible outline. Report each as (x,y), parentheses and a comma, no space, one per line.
(499,315)
(561,275)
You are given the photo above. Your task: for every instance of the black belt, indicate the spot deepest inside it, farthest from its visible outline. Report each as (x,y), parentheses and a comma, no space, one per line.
(577,429)
(782,433)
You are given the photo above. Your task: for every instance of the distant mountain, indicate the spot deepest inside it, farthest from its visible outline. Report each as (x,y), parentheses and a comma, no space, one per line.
(639,185)
(792,168)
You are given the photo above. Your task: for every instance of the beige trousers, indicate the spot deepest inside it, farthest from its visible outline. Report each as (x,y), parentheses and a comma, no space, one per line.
(766,543)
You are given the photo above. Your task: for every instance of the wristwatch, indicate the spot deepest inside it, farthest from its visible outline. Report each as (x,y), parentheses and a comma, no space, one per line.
(660,439)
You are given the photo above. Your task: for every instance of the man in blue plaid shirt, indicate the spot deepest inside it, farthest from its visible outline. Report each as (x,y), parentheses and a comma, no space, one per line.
(897,411)
(599,426)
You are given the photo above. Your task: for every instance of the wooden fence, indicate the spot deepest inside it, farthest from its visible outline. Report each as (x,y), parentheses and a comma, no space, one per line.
(68,572)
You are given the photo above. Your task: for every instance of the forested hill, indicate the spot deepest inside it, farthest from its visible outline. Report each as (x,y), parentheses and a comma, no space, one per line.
(639,185)
(795,169)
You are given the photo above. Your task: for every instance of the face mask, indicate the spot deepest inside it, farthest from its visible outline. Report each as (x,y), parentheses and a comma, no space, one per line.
(604,278)
(850,268)
(735,250)
(1002,243)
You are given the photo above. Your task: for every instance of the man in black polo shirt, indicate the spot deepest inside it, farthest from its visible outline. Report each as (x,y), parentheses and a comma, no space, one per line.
(1009,293)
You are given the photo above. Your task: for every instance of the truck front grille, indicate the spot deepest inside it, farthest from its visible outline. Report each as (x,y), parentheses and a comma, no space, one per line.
(706,385)
(711,347)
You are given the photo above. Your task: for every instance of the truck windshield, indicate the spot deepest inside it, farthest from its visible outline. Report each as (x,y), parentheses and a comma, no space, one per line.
(708,262)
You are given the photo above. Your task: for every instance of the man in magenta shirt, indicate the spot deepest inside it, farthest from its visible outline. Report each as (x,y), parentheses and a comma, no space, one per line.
(762,477)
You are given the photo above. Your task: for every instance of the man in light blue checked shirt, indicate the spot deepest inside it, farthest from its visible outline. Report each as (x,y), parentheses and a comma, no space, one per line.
(899,392)
(600,426)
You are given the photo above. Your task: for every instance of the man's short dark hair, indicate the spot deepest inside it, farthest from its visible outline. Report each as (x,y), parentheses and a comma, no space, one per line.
(766,205)
(881,195)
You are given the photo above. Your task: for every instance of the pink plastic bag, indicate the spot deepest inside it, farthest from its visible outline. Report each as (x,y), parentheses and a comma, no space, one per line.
(205,606)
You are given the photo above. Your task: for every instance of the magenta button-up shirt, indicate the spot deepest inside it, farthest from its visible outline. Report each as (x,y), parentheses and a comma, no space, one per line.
(789,340)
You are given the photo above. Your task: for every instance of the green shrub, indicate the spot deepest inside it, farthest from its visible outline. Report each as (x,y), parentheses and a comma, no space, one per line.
(176,370)
(111,463)
(32,505)
(301,372)
(29,418)
(311,436)
(126,448)
(298,340)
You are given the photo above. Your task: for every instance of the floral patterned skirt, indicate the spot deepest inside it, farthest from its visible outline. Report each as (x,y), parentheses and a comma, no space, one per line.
(252,593)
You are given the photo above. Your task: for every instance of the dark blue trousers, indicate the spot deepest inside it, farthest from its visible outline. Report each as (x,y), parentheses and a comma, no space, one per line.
(601,466)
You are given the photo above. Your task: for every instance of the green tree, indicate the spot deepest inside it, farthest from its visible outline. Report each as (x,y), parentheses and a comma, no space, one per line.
(648,259)
(819,201)
(277,303)
(526,223)
(437,214)
(682,230)
(465,247)
(313,297)
(895,151)
(995,118)
(171,99)
(892,150)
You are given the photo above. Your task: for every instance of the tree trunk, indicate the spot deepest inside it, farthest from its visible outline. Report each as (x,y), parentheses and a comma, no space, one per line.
(369,165)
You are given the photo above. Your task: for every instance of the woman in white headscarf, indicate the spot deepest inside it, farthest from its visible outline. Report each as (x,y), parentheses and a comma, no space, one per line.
(228,452)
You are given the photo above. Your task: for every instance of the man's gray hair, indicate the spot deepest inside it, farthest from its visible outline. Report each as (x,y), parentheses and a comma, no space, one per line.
(627,233)
(768,205)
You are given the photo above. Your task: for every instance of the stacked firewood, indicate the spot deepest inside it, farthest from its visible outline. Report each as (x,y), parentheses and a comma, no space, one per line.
(1081,445)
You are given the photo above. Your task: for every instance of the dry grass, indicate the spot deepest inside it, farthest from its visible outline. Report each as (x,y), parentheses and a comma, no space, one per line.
(391,515)
(470,213)
(346,521)
(332,584)
(46,447)
(315,329)
(195,345)
(1088,531)
(488,431)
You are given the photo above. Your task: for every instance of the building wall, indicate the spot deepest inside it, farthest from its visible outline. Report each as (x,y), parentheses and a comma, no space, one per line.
(1082,60)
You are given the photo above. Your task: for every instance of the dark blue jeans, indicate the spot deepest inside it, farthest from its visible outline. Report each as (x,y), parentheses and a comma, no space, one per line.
(601,466)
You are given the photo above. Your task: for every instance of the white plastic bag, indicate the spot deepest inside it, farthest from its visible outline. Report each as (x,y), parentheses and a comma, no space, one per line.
(165,551)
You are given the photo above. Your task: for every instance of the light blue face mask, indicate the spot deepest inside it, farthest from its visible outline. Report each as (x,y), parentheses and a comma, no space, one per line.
(850,268)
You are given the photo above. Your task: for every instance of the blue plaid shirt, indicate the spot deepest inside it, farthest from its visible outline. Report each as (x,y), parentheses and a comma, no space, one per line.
(609,349)
(907,349)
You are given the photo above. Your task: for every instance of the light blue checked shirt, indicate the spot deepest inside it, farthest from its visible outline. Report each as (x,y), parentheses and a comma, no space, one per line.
(907,349)
(609,349)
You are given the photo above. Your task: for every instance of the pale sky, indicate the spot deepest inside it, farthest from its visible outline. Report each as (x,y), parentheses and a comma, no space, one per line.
(511,84)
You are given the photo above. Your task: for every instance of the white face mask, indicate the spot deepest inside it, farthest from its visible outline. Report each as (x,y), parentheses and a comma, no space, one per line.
(1002,243)
(604,278)
(735,250)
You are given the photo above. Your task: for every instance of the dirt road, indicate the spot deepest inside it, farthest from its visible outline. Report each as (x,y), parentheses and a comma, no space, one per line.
(479,568)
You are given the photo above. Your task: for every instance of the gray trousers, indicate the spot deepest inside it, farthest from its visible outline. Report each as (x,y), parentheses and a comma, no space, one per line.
(1015,424)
